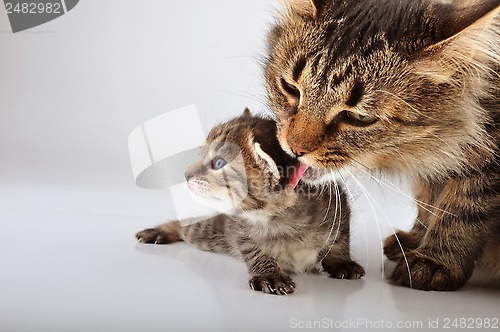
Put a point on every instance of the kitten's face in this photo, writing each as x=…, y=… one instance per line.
x=218, y=177
x=352, y=84
x=233, y=170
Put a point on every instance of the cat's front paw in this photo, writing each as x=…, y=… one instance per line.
x=344, y=270
x=155, y=235
x=399, y=243
x=272, y=284
x=423, y=272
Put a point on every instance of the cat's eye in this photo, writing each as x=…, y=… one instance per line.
x=218, y=163
x=291, y=90
x=360, y=119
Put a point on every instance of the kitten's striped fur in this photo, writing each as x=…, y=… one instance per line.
x=274, y=229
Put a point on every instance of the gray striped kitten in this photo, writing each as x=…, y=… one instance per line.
x=273, y=224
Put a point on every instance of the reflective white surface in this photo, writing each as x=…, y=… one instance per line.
x=71, y=92
x=70, y=263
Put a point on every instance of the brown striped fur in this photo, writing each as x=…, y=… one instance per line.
x=274, y=229
x=410, y=86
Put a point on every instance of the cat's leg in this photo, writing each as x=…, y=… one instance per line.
x=398, y=244
x=265, y=274
x=457, y=233
x=162, y=234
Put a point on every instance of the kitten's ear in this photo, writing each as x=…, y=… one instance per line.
x=309, y=8
x=246, y=113
x=263, y=156
x=447, y=21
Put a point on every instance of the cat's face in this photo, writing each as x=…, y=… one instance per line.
x=233, y=170
x=367, y=84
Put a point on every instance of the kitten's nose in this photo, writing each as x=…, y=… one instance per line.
x=298, y=150
x=188, y=175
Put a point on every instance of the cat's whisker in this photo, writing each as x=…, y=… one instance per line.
x=446, y=152
x=413, y=108
x=469, y=64
x=392, y=186
x=359, y=214
x=323, y=189
x=335, y=214
x=368, y=196
x=338, y=202
x=408, y=165
x=329, y=204
x=380, y=182
x=418, y=104
x=421, y=223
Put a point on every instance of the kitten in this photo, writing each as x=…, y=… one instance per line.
x=400, y=86
x=272, y=227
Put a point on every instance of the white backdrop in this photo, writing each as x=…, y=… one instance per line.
x=74, y=88
x=71, y=91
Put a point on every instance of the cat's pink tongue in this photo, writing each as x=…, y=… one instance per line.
x=297, y=174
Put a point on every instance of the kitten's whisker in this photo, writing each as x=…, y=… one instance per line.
x=247, y=95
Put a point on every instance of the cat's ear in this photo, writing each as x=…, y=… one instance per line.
x=309, y=8
x=264, y=157
x=446, y=21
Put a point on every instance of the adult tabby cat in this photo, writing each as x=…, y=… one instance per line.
x=272, y=227
x=408, y=86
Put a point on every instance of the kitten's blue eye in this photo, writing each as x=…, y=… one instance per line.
x=218, y=163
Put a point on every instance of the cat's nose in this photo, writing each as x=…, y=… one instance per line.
x=298, y=150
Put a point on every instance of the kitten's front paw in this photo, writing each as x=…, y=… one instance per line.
x=344, y=270
x=155, y=235
x=396, y=244
x=274, y=284
x=422, y=272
